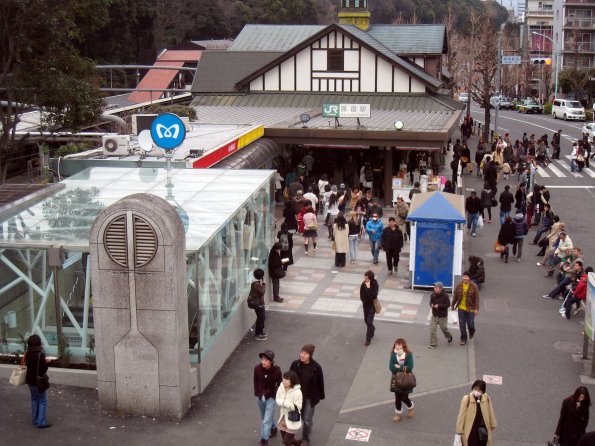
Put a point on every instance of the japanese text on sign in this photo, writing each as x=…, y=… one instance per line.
x=345, y=110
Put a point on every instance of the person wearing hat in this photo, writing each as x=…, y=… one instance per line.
x=439, y=302
x=466, y=300
x=311, y=379
x=267, y=378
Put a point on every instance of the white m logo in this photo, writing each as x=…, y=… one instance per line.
x=167, y=132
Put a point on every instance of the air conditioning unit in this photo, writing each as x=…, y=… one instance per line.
x=142, y=122
x=116, y=145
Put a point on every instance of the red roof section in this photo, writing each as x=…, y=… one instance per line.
x=161, y=79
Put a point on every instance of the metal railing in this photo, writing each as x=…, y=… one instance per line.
x=579, y=23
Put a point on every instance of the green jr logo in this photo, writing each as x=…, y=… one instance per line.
x=330, y=110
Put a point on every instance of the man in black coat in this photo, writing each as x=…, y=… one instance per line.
x=440, y=302
x=276, y=271
x=392, y=243
x=506, y=200
x=312, y=385
x=472, y=207
x=267, y=379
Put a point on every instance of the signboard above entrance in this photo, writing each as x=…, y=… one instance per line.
x=346, y=110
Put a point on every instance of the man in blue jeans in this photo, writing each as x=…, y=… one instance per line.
x=472, y=207
x=267, y=378
x=466, y=300
x=374, y=228
x=312, y=382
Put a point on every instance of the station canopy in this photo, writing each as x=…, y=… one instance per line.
x=205, y=199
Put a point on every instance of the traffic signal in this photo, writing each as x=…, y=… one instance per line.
x=541, y=60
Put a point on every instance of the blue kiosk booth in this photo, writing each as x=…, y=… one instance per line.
x=436, y=247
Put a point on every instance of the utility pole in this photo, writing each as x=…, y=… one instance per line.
x=498, y=77
x=526, y=56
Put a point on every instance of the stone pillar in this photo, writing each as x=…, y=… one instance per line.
x=140, y=308
x=388, y=176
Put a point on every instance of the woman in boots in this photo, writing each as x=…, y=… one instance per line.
x=289, y=398
x=400, y=358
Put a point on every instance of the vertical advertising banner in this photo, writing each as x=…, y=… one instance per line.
x=589, y=306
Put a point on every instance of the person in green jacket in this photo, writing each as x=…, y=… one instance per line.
x=400, y=358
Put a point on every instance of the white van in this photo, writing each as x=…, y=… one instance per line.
x=567, y=109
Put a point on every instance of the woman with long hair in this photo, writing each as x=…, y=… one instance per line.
x=341, y=233
x=574, y=417
x=401, y=358
x=37, y=367
x=310, y=228
x=332, y=211
x=476, y=420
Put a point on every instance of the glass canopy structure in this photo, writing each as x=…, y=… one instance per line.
x=229, y=223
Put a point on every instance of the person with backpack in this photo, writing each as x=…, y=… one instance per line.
x=256, y=302
x=286, y=241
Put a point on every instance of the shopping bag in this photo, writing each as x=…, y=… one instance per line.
x=18, y=377
x=457, y=441
x=480, y=222
x=453, y=317
x=499, y=248
x=377, y=306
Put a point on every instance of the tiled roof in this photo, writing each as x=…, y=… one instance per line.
x=410, y=39
x=272, y=37
x=380, y=48
x=219, y=71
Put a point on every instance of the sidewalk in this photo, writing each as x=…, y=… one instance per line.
x=322, y=307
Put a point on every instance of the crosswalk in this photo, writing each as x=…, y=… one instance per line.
x=561, y=169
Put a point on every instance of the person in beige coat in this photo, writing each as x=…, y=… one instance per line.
x=341, y=235
x=476, y=426
x=289, y=397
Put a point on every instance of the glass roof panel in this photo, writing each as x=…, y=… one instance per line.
x=208, y=196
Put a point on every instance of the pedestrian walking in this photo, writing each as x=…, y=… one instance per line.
x=341, y=234
x=374, y=228
x=289, y=398
x=574, y=417
x=472, y=207
x=267, y=378
x=402, y=210
x=486, y=202
x=311, y=378
x=466, y=300
x=521, y=229
x=506, y=200
x=401, y=359
x=355, y=228
x=477, y=270
x=476, y=421
x=276, y=272
x=368, y=292
x=37, y=367
x=310, y=229
x=392, y=243
x=257, y=290
x=506, y=237
x=439, y=302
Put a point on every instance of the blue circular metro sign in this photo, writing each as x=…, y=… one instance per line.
x=168, y=131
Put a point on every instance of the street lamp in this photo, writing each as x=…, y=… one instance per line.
x=556, y=55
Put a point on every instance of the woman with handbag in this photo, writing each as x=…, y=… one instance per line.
x=37, y=380
x=401, y=364
x=574, y=417
x=289, y=399
x=476, y=420
x=506, y=237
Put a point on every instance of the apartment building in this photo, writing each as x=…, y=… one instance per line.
x=574, y=30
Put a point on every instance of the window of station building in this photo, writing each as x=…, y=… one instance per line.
x=335, y=60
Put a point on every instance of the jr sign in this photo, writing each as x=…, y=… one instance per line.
x=345, y=110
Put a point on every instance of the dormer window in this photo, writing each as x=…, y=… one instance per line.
x=334, y=61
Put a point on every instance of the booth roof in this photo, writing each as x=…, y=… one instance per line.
x=437, y=206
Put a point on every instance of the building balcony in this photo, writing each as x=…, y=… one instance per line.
x=580, y=23
x=540, y=13
x=579, y=48
x=579, y=2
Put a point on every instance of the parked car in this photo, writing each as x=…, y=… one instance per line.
x=501, y=102
x=567, y=109
x=530, y=106
x=589, y=130
x=463, y=97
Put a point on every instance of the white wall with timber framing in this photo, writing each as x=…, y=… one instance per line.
x=363, y=70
